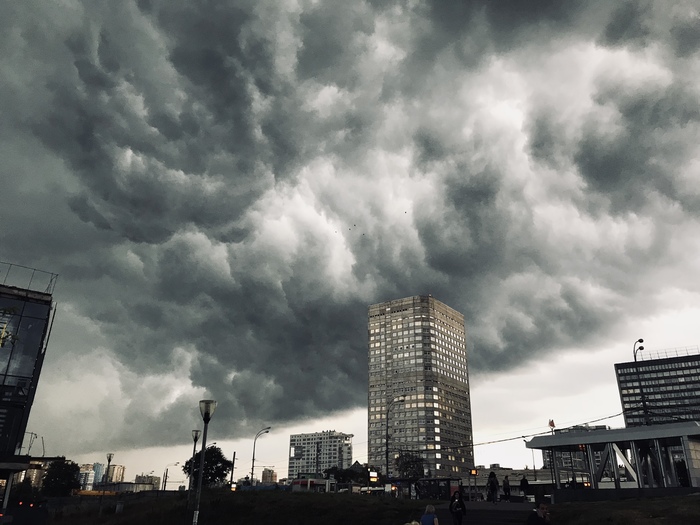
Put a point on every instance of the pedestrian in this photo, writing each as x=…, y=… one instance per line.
x=492, y=487
x=539, y=515
x=524, y=486
x=429, y=517
x=457, y=508
x=506, y=489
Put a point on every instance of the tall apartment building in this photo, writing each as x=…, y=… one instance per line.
x=268, y=476
x=419, y=386
x=319, y=451
x=116, y=473
x=661, y=387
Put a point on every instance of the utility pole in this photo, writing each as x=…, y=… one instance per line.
x=233, y=465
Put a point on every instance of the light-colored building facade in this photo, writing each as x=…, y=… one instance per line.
x=87, y=477
x=419, y=399
x=313, y=453
x=269, y=476
x=116, y=473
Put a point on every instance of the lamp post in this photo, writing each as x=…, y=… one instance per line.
x=105, y=476
x=165, y=474
x=399, y=399
x=635, y=350
x=206, y=407
x=195, y=438
x=534, y=470
x=252, y=465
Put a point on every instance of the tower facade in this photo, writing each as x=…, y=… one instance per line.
x=311, y=454
x=419, y=404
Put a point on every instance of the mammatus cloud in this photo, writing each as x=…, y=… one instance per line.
x=224, y=190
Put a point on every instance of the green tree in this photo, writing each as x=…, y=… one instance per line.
x=61, y=478
x=216, y=467
x=409, y=465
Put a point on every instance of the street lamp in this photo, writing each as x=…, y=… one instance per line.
x=195, y=438
x=399, y=399
x=206, y=407
x=165, y=474
x=252, y=465
x=635, y=350
x=534, y=470
x=105, y=476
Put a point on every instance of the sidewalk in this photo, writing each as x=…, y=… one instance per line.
x=486, y=513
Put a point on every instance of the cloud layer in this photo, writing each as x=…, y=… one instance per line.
x=223, y=189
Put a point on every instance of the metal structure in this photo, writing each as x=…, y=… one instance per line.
x=644, y=457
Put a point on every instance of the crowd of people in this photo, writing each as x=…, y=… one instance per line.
x=457, y=507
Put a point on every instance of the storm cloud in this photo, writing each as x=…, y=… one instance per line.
x=224, y=187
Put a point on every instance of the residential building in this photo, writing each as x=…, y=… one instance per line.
x=269, y=476
x=419, y=387
x=116, y=473
x=87, y=477
x=99, y=469
x=148, y=479
x=313, y=453
x=573, y=461
x=661, y=387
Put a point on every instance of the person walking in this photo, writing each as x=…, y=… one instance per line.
x=457, y=508
x=524, y=486
x=492, y=486
x=506, y=489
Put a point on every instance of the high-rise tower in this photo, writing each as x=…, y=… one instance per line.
x=419, y=387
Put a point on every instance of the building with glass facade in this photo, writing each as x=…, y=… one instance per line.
x=419, y=400
x=26, y=314
x=663, y=387
x=312, y=454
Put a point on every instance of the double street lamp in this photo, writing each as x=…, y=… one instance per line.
x=399, y=399
x=252, y=465
x=206, y=407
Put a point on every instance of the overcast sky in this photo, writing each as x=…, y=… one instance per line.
x=223, y=188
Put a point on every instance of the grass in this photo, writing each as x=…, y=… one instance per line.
x=283, y=508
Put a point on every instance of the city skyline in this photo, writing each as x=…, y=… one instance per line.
x=223, y=191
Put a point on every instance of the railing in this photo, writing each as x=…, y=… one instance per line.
x=28, y=278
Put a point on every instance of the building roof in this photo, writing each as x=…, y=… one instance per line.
x=563, y=439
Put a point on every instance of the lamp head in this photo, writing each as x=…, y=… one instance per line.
x=640, y=348
x=640, y=340
x=110, y=455
x=195, y=435
x=207, y=407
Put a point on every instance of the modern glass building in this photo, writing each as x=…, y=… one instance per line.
x=25, y=323
x=664, y=387
x=419, y=387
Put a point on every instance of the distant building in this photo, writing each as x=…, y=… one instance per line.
x=87, y=477
x=116, y=473
x=419, y=386
x=148, y=479
x=313, y=453
x=269, y=476
x=570, y=460
x=663, y=387
x=99, y=469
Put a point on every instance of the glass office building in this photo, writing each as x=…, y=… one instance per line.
x=25, y=322
x=419, y=387
x=663, y=387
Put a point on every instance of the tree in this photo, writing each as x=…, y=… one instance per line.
x=216, y=467
x=409, y=465
x=61, y=478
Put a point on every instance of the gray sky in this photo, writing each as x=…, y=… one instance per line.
x=224, y=188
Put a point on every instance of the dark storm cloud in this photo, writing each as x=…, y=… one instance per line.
x=224, y=188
